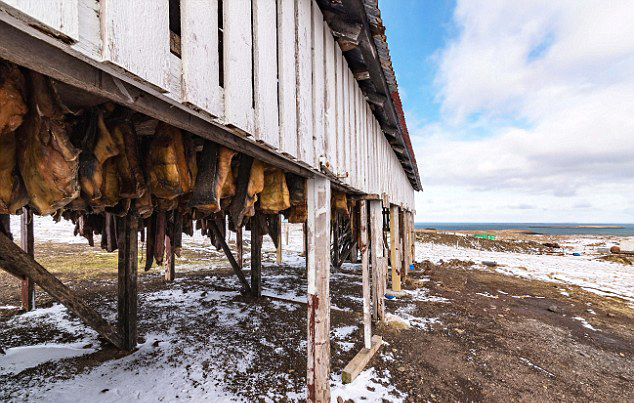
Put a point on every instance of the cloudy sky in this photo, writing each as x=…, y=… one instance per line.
x=520, y=111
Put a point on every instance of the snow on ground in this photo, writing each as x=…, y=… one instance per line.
x=171, y=363
x=603, y=278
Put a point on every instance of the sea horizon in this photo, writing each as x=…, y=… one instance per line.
x=547, y=228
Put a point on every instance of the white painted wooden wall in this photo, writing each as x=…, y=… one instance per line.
x=286, y=84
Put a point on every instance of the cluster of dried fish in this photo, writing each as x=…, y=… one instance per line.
x=95, y=164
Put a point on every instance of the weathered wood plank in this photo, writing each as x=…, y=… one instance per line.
x=318, y=275
x=265, y=72
x=340, y=112
x=287, y=77
x=136, y=38
x=304, y=83
x=27, y=242
x=363, y=357
x=16, y=260
x=238, y=64
x=318, y=84
x=127, y=237
x=61, y=17
x=200, y=56
x=330, y=85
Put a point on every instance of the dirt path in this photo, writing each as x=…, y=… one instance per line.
x=502, y=339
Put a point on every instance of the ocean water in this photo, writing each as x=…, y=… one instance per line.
x=538, y=228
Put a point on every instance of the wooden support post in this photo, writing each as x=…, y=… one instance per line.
x=318, y=275
x=378, y=260
x=395, y=259
x=5, y=224
x=256, y=254
x=365, y=273
x=239, y=245
x=15, y=260
x=279, y=242
x=234, y=265
x=127, y=238
x=27, y=242
x=354, y=230
x=405, y=249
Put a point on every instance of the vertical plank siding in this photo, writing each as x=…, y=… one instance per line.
x=304, y=66
x=238, y=64
x=265, y=72
x=140, y=46
x=200, y=56
x=319, y=84
x=286, y=76
x=278, y=76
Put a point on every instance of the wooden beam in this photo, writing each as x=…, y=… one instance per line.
x=358, y=363
x=256, y=254
x=15, y=259
x=27, y=242
x=378, y=261
x=395, y=259
x=318, y=275
x=365, y=273
x=234, y=265
x=127, y=238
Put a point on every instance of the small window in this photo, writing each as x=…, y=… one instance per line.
x=175, y=27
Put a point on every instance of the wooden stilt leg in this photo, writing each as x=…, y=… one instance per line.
x=378, y=260
x=354, y=226
x=279, y=243
x=256, y=254
x=404, y=247
x=128, y=262
x=395, y=259
x=239, y=250
x=234, y=265
x=318, y=273
x=365, y=273
x=27, y=243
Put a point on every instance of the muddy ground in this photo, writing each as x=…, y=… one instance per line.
x=475, y=336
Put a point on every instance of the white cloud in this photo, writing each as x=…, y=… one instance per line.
x=538, y=102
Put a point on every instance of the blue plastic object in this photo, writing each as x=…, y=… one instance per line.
x=411, y=266
x=390, y=297
x=576, y=254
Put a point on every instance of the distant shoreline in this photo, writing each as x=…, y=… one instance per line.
x=579, y=226
x=543, y=228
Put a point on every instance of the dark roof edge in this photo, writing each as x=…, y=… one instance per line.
x=377, y=29
x=359, y=31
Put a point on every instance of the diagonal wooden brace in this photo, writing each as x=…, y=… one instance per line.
x=14, y=260
x=232, y=260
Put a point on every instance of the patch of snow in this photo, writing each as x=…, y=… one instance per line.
x=585, y=323
x=17, y=359
x=600, y=277
x=382, y=389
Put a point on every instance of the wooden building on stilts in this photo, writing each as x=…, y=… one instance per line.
x=158, y=118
